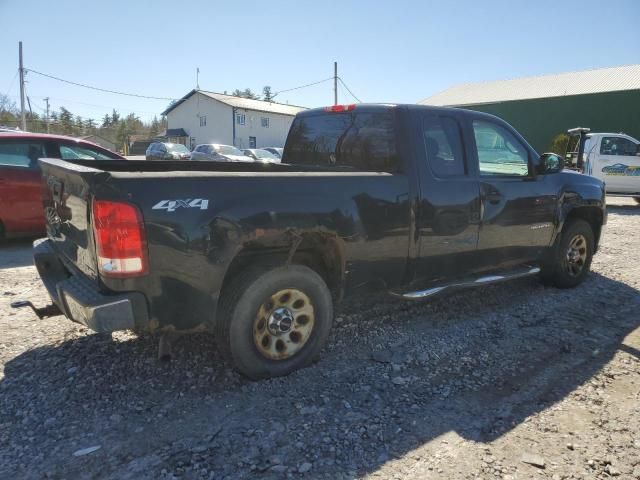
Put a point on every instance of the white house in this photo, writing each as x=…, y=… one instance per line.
x=208, y=117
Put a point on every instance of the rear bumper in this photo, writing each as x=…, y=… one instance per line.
x=80, y=299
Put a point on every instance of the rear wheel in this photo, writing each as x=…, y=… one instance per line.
x=571, y=256
x=273, y=321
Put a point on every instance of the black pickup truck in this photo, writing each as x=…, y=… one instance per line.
x=408, y=199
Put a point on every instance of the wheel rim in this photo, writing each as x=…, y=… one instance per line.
x=283, y=324
x=576, y=255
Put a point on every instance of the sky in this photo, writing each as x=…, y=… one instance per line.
x=391, y=51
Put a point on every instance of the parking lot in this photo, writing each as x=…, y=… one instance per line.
x=510, y=381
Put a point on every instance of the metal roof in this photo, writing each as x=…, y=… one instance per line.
x=559, y=85
x=244, y=103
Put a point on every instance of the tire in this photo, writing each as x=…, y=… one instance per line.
x=273, y=321
x=570, y=256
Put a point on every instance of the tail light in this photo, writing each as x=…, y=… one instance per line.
x=340, y=108
x=121, y=242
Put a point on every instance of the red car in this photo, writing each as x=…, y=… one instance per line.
x=21, y=212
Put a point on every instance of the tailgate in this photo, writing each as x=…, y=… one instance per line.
x=68, y=190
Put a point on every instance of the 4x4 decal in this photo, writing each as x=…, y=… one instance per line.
x=172, y=205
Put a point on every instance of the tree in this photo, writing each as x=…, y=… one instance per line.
x=106, y=121
x=249, y=94
x=154, y=128
x=267, y=96
x=115, y=117
x=79, y=125
x=66, y=121
x=8, y=111
x=559, y=143
x=7, y=105
x=122, y=134
x=246, y=93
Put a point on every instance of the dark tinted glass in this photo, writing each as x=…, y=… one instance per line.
x=354, y=141
x=443, y=146
x=617, y=146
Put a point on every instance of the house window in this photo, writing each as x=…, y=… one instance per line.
x=240, y=118
x=264, y=121
x=252, y=142
x=203, y=121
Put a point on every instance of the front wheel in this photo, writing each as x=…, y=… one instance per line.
x=274, y=321
x=571, y=256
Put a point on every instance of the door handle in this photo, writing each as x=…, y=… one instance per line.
x=493, y=197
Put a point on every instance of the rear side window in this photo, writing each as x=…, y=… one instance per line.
x=364, y=141
x=443, y=146
x=21, y=154
x=77, y=152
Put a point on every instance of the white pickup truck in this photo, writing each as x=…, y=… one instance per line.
x=613, y=158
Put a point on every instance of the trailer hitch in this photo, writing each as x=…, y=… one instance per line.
x=43, y=312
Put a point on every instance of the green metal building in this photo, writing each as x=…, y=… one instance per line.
x=605, y=100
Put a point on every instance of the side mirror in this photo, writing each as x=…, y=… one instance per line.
x=549, y=163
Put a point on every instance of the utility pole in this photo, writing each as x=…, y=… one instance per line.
x=46, y=100
x=21, y=67
x=335, y=83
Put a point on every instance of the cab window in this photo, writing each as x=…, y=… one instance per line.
x=618, y=146
x=500, y=153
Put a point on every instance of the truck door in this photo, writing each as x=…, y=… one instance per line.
x=618, y=164
x=448, y=215
x=518, y=207
x=21, y=208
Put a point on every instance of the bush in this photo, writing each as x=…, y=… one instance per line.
x=559, y=144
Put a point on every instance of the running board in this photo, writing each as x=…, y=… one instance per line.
x=486, y=280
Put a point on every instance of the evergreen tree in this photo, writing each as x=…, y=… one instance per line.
x=267, y=95
x=65, y=121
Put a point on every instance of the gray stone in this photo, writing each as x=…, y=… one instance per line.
x=533, y=459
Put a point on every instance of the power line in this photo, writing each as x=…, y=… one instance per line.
x=102, y=107
x=303, y=86
x=11, y=84
x=348, y=90
x=97, y=88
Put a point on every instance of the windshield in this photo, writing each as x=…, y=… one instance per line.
x=177, y=148
x=265, y=154
x=228, y=150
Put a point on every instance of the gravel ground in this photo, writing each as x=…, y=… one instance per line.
x=512, y=381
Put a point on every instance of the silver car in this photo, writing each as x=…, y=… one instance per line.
x=261, y=155
x=275, y=150
x=219, y=153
